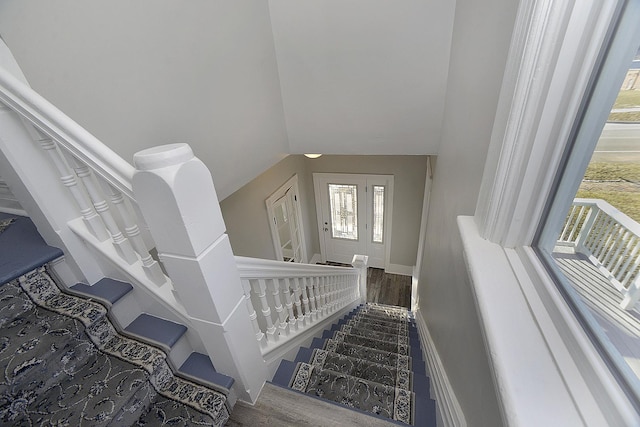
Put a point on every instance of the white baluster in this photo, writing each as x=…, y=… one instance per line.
x=633, y=256
x=616, y=250
x=285, y=284
x=120, y=243
x=579, y=220
x=305, y=300
x=260, y=336
x=149, y=265
x=320, y=301
x=628, y=248
x=324, y=287
x=89, y=216
x=334, y=292
x=283, y=325
x=297, y=293
x=312, y=298
x=272, y=329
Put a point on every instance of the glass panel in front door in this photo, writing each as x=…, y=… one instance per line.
x=378, y=214
x=343, y=200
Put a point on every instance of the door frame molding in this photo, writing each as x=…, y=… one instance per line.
x=291, y=183
x=388, y=223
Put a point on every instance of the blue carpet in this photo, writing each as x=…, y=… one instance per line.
x=22, y=249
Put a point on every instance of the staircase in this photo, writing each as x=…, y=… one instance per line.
x=370, y=361
x=63, y=361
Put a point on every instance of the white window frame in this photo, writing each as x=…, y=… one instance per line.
x=546, y=369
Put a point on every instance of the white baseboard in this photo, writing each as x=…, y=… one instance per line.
x=448, y=407
x=404, y=270
x=316, y=258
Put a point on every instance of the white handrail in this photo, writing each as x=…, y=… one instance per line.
x=254, y=267
x=66, y=132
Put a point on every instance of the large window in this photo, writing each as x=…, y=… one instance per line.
x=591, y=237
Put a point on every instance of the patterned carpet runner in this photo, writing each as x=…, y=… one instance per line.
x=366, y=362
x=63, y=363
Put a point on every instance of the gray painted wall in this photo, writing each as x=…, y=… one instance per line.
x=481, y=36
x=151, y=72
x=245, y=212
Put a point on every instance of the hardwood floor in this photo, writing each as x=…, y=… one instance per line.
x=277, y=406
x=385, y=288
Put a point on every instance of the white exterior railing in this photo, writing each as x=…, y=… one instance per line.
x=284, y=299
x=610, y=239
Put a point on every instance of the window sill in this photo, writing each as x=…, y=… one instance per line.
x=545, y=370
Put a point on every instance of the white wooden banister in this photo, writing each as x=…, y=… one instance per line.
x=311, y=294
x=72, y=137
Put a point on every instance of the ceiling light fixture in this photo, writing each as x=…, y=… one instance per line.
x=313, y=156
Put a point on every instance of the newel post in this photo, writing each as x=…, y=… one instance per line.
x=177, y=198
x=359, y=262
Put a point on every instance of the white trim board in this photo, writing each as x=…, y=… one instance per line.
x=448, y=408
x=404, y=270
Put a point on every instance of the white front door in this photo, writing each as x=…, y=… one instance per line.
x=354, y=216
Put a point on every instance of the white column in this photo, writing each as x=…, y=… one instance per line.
x=177, y=198
x=360, y=262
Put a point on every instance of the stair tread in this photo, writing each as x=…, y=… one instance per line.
x=365, y=369
x=33, y=253
x=382, y=327
x=369, y=353
x=374, y=334
x=386, y=401
x=157, y=330
x=369, y=342
x=198, y=366
x=106, y=289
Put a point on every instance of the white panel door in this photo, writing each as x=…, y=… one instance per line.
x=354, y=216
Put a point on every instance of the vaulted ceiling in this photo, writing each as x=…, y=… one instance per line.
x=245, y=83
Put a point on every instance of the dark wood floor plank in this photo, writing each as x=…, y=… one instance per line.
x=386, y=288
x=277, y=406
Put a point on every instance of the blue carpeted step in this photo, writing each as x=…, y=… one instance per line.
x=284, y=373
x=378, y=399
x=156, y=330
x=421, y=382
x=198, y=367
x=372, y=333
x=363, y=352
x=33, y=252
x=107, y=290
x=355, y=367
x=416, y=364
